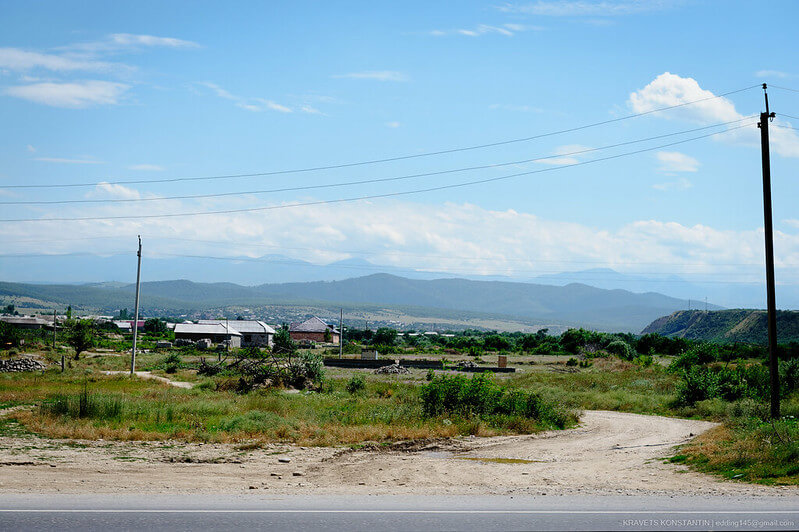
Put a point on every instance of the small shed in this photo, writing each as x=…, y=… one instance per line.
x=216, y=332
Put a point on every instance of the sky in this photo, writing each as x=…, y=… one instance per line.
x=98, y=94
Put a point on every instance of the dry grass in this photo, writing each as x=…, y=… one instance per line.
x=747, y=450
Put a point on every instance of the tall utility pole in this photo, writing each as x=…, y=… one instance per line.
x=55, y=323
x=771, y=301
x=136, y=317
x=341, y=333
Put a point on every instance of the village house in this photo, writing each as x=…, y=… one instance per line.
x=314, y=330
x=254, y=333
x=216, y=332
x=27, y=322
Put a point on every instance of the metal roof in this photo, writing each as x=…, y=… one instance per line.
x=25, y=320
x=205, y=328
x=244, y=326
x=312, y=325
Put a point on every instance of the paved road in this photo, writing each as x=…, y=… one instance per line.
x=248, y=512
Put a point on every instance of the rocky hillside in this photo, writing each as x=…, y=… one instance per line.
x=736, y=325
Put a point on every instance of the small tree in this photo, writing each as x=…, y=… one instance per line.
x=283, y=344
x=80, y=336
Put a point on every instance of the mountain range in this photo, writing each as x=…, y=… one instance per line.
x=574, y=304
x=87, y=268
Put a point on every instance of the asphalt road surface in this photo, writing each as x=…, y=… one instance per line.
x=377, y=513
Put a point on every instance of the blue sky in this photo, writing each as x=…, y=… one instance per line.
x=98, y=92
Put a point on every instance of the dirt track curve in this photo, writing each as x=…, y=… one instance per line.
x=609, y=453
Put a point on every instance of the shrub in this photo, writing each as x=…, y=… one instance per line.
x=572, y=362
x=172, y=362
x=789, y=375
x=356, y=384
x=430, y=375
x=480, y=396
x=621, y=349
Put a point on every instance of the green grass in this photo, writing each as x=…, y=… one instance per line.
x=76, y=405
x=609, y=384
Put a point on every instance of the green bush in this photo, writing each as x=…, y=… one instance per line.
x=621, y=349
x=480, y=396
x=700, y=383
x=172, y=362
x=356, y=384
x=789, y=375
x=572, y=362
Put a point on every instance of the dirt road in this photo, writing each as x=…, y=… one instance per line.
x=609, y=453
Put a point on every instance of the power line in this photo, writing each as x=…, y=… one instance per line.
x=387, y=159
x=772, y=86
x=373, y=196
x=376, y=180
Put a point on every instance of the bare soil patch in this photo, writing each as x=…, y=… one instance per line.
x=609, y=453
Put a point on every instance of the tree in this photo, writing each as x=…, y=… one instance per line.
x=10, y=309
x=69, y=312
x=283, y=342
x=123, y=314
x=155, y=326
x=384, y=336
x=9, y=335
x=80, y=336
x=328, y=336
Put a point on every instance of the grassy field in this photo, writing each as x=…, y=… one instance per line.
x=85, y=403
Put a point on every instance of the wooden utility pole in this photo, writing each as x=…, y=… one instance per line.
x=341, y=333
x=771, y=302
x=136, y=317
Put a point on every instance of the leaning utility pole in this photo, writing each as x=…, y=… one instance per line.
x=769, y=234
x=341, y=333
x=136, y=317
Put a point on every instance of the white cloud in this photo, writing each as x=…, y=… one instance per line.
x=508, y=30
x=125, y=42
x=128, y=39
x=772, y=74
x=21, y=60
x=255, y=105
x=30, y=148
x=111, y=191
x=792, y=222
x=674, y=161
x=393, y=124
x=146, y=167
x=376, y=75
x=569, y=153
x=669, y=89
x=64, y=160
x=309, y=109
x=450, y=238
x=77, y=94
x=583, y=8
x=680, y=184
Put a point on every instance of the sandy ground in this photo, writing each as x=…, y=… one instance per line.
x=148, y=375
x=609, y=453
